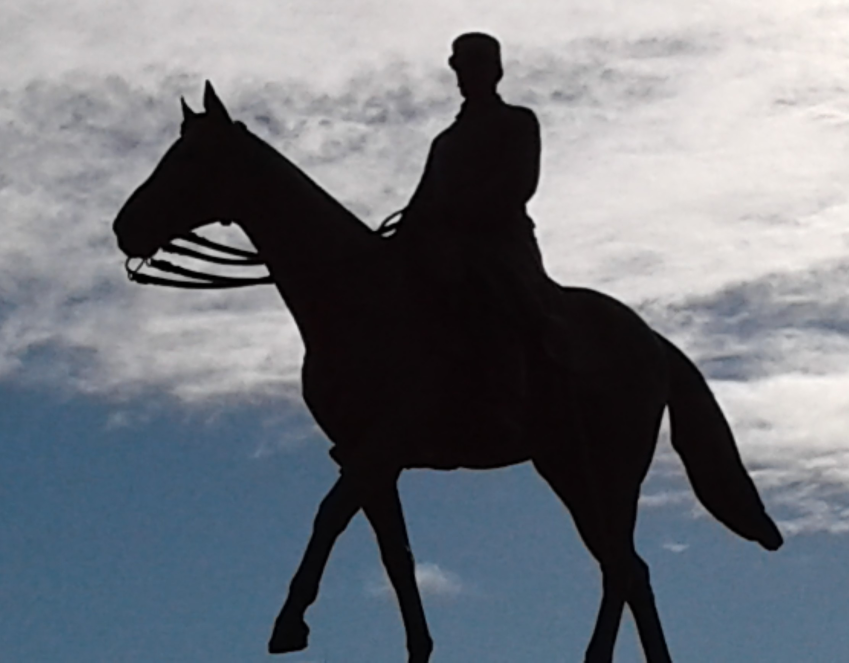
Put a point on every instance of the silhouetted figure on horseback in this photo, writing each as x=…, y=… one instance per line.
x=467, y=226
x=381, y=378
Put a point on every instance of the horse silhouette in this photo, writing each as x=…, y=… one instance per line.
x=387, y=385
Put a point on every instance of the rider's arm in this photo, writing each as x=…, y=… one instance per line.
x=518, y=179
x=513, y=178
x=424, y=193
x=421, y=201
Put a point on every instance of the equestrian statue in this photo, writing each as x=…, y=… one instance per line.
x=439, y=342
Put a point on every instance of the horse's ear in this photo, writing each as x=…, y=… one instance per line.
x=212, y=104
x=188, y=113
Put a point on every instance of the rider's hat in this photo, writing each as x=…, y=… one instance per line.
x=475, y=49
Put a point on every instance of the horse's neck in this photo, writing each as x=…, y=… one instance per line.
x=309, y=241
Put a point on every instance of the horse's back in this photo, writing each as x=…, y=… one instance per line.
x=608, y=342
x=603, y=403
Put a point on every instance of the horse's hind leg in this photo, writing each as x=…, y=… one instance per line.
x=625, y=575
x=607, y=538
x=384, y=512
x=606, y=523
x=641, y=602
x=612, y=547
x=336, y=510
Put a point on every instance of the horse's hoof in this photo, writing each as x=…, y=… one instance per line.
x=288, y=636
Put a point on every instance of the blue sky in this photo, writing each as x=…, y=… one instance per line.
x=158, y=472
x=173, y=539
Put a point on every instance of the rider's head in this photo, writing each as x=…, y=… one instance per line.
x=476, y=58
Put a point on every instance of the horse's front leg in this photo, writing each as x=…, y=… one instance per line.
x=336, y=510
x=383, y=510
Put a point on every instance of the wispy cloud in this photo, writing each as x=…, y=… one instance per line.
x=694, y=166
x=298, y=424
x=431, y=579
x=676, y=548
x=794, y=321
x=68, y=316
x=666, y=498
x=122, y=419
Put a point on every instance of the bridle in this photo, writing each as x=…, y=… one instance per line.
x=232, y=257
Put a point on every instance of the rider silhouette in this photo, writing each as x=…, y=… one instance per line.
x=467, y=217
x=472, y=244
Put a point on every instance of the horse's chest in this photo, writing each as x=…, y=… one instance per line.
x=432, y=413
x=349, y=394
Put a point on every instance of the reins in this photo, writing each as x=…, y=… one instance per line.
x=232, y=257
x=199, y=280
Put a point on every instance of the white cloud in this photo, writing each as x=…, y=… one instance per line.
x=120, y=419
x=666, y=498
x=69, y=315
x=694, y=166
x=676, y=548
x=793, y=432
x=273, y=42
x=432, y=580
x=299, y=427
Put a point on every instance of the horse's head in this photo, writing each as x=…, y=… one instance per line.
x=197, y=182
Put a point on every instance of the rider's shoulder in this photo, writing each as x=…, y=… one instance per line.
x=522, y=112
x=520, y=115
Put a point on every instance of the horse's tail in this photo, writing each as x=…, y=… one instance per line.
x=703, y=439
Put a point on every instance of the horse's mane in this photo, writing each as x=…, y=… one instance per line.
x=303, y=185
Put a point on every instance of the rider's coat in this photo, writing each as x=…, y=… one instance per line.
x=482, y=170
x=468, y=214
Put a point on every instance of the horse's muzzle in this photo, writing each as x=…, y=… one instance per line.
x=134, y=239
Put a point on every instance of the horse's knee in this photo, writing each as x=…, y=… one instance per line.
x=332, y=517
x=396, y=550
x=325, y=517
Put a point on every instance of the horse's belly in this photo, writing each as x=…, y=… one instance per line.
x=417, y=429
x=490, y=457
